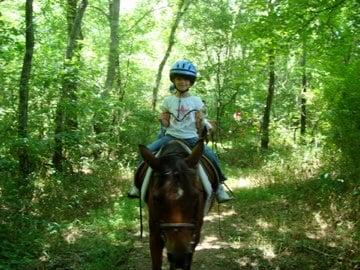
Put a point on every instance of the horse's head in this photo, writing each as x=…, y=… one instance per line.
x=176, y=200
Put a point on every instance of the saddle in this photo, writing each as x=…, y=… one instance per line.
x=205, y=162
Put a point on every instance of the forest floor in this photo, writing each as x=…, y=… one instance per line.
x=312, y=224
x=277, y=227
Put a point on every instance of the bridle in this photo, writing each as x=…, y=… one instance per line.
x=163, y=226
x=175, y=227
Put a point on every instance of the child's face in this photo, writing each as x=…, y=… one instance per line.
x=182, y=84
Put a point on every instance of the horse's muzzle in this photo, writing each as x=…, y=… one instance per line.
x=180, y=260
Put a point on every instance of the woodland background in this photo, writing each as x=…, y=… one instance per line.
x=80, y=85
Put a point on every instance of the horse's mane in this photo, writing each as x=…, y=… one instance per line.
x=174, y=148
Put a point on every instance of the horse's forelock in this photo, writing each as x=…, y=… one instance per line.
x=174, y=172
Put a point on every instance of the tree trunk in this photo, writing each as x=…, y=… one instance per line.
x=64, y=119
x=75, y=30
x=69, y=83
x=113, y=71
x=71, y=8
x=303, y=96
x=113, y=64
x=219, y=87
x=183, y=6
x=24, y=167
x=266, y=117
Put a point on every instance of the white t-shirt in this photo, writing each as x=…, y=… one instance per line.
x=182, y=115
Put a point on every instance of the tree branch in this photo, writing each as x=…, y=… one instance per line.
x=317, y=12
x=143, y=17
x=101, y=11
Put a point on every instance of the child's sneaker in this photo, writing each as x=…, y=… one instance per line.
x=222, y=195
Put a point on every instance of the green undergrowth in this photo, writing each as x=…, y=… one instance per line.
x=309, y=225
x=75, y=221
x=293, y=211
x=102, y=240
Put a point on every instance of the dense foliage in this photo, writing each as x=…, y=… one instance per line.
x=314, y=48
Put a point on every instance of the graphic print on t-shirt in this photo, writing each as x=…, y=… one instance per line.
x=182, y=119
x=181, y=111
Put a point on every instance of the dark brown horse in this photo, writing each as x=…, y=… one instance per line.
x=176, y=201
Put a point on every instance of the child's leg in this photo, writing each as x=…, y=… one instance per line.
x=221, y=194
x=161, y=132
x=215, y=161
x=156, y=145
x=210, y=155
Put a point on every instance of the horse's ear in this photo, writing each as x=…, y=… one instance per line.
x=149, y=157
x=196, y=154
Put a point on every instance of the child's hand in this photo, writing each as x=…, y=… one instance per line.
x=165, y=119
x=199, y=121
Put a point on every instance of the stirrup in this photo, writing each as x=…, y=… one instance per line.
x=134, y=192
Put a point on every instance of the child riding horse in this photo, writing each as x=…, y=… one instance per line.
x=183, y=118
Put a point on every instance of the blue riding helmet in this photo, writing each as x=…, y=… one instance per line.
x=183, y=68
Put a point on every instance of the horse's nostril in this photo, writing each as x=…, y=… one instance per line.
x=180, y=260
x=175, y=257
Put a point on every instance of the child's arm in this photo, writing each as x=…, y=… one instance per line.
x=165, y=119
x=208, y=124
x=165, y=114
x=200, y=121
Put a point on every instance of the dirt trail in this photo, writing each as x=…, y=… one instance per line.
x=218, y=248
x=269, y=228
